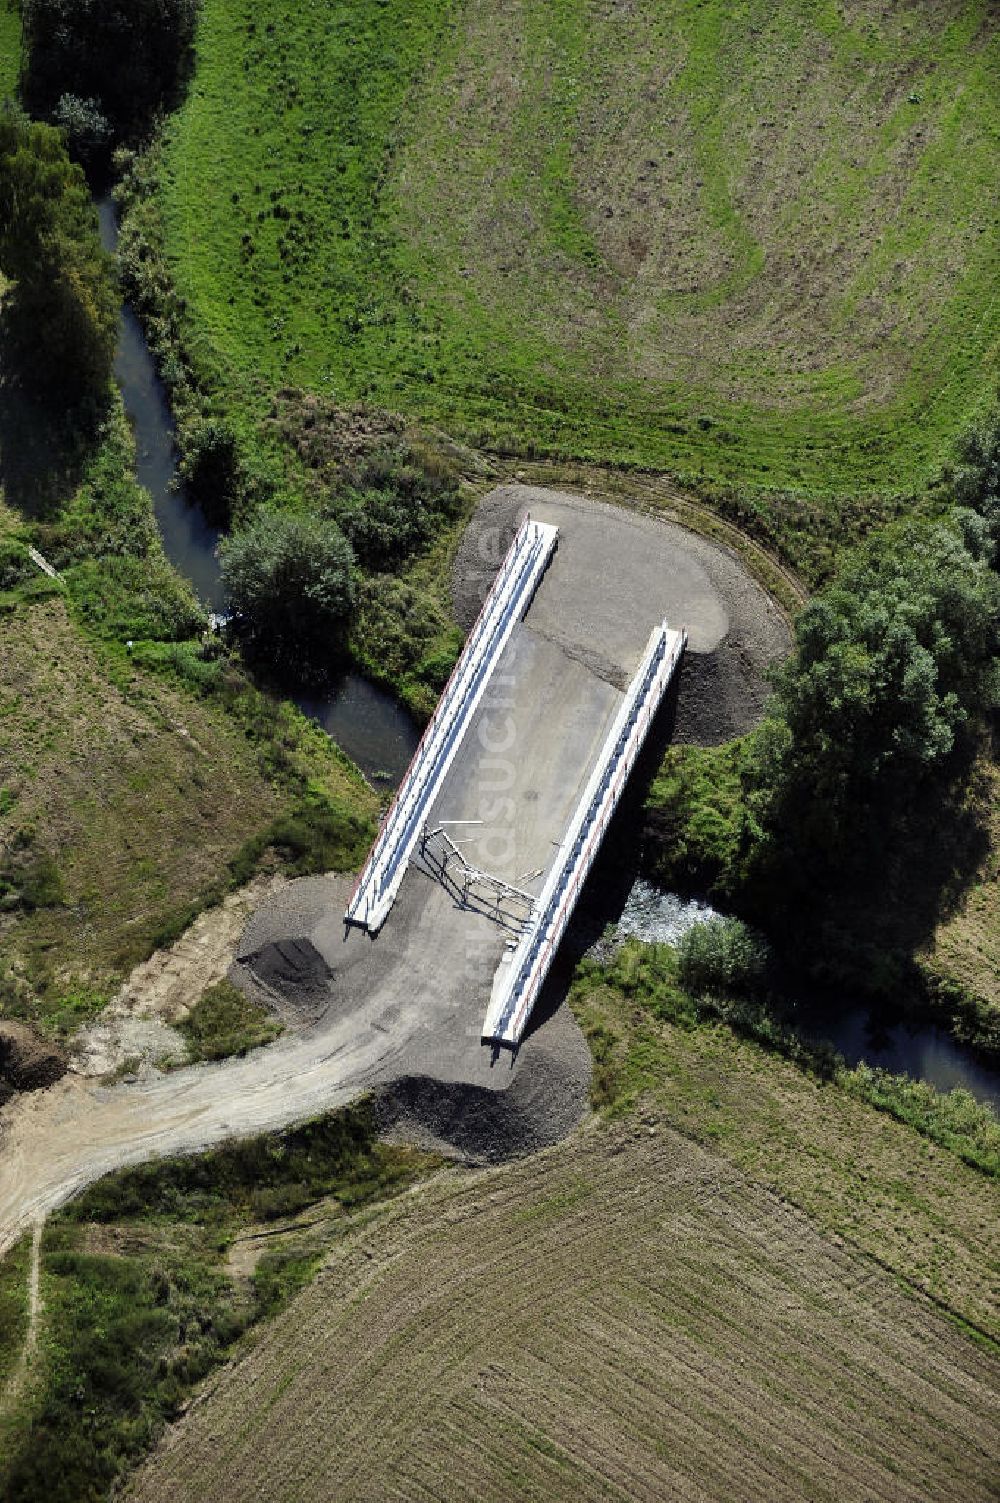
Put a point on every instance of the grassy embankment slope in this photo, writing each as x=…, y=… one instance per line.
x=752, y=246
x=135, y=785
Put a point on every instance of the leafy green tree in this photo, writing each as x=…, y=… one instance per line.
x=889, y=663
x=60, y=313
x=290, y=584
x=87, y=129
x=870, y=736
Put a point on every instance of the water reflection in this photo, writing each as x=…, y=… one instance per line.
x=924, y=1052
x=855, y=1031
x=372, y=728
x=188, y=540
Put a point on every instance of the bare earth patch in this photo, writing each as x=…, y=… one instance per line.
x=135, y=1026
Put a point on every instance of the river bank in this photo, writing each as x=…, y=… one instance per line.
x=377, y=733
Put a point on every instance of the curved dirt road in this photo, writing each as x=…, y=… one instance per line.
x=405, y=1005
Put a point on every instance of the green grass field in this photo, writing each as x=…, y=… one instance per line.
x=10, y=47
x=748, y=242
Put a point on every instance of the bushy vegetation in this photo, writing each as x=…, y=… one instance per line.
x=262, y=1178
x=59, y=318
x=210, y=468
x=139, y=1305
x=722, y=957
x=403, y=635
x=974, y=482
x=104, y=68
x=894, y=664
x=955, y=1119
x=696, y=833
x=391, y=504
x=87, y=130
x=289, y=580
x=224, y=1022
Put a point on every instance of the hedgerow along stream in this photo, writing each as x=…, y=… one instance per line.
x=371, y=727
x=377, y=733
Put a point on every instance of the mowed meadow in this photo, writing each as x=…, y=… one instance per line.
x=750, y=243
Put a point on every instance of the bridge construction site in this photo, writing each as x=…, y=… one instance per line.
x=477, y=869
x=530, y=781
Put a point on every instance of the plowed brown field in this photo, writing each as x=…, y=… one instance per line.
x=626, y=1317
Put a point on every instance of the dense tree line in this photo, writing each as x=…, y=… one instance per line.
x=59, y=312
x=894, y=666
x=103, y=68
x=859, y=823
x=845, y=822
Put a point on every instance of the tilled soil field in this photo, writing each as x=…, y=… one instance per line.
x=624, y=1316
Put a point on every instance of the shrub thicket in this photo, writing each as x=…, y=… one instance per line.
x=975, y=484
x=289, y=579
x=60, y=320
x=393, y=502
x=721, y=957
x=210, y=468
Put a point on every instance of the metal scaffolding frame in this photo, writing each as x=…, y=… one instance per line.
x=473, y=878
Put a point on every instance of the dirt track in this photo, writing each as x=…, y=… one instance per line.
x=406, y=1009
x=625, y=1317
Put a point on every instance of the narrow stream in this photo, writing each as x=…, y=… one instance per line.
x=378, y=734
x=853, y=1028
x=373, y=729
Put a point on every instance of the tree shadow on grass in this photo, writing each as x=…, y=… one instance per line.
x=44, y=446
x=871, y=932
